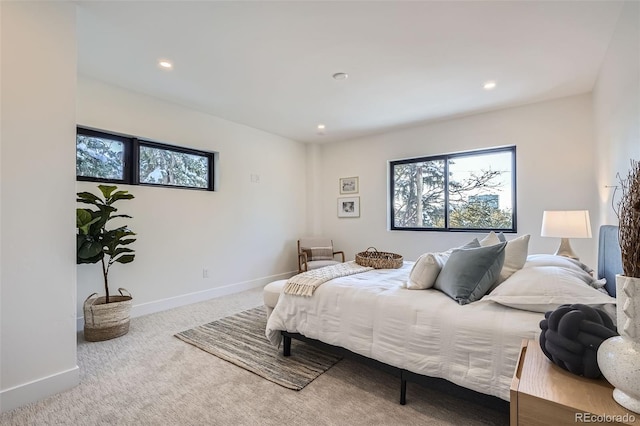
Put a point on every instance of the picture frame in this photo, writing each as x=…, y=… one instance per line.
x=348, y=206
x=349, y=185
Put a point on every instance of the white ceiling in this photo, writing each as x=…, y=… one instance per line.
x=268, y=65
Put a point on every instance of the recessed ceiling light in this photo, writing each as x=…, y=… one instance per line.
x=163, y=63
x=340, y=76
x=321, y=128
x=489, y=85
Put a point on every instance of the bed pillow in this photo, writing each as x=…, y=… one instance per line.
x=426, y=269
x=491, y=239
x=471, y=244
x=544, y=288
x=566, y=262
x=555, y=260
x=469, y=273
x=515, y=256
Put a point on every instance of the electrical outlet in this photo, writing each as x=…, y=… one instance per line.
x=205, y=273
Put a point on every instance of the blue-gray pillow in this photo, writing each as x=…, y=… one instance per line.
x=471, y=244
x=470, y=273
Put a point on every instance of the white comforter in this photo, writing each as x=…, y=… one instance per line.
x=423, y=331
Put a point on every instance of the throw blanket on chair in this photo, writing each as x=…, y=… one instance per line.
x=306, y=283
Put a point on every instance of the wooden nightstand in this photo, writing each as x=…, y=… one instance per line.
x=544, y=394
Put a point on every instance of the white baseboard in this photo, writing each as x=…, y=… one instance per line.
x=199, y=296
x=36, y=390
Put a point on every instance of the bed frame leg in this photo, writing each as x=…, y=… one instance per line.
x=403, y=390
x=286, y=347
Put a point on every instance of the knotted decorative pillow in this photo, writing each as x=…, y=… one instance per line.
x=571, y=336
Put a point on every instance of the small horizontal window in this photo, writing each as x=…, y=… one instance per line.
x=107, y=157
x=468, y=191
x=168, y=167
x=101, y=156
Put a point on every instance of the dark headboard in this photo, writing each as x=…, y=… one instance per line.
x=609, y=257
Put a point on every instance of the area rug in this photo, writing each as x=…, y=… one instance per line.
x=240, y=339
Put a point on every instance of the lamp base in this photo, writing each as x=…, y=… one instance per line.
x=565, y=250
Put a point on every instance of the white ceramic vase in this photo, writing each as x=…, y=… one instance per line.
x=619, y=357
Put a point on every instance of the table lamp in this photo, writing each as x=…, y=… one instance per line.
x=566, y=224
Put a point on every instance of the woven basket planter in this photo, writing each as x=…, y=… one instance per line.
x=104, y=321
x=379, y=259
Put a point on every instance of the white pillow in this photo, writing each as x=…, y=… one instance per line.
x=544, y=288
x=490, y=240
x=515, y=256
x=555, y=260
x=426, y=269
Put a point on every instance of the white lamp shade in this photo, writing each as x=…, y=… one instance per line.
x=566, y=224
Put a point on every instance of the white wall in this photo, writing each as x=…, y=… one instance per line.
x=38, y=280
x=555, y=163
x=314, y=201
x=616, y=103
x=244, y=234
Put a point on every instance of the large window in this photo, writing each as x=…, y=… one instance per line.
x=107, y=157
x=468, y=191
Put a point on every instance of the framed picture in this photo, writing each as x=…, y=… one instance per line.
x=349, y=185
x=349, y=207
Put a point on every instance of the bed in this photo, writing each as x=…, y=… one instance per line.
x=426, y=333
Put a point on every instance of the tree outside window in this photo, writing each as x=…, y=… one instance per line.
x=107, y=157
x=99, y=157
x=168, y=167
x=467, y=191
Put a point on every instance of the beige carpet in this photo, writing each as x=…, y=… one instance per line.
x=149, y=377
x=240, y=339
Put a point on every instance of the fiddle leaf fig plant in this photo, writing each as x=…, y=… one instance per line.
x=96, y=243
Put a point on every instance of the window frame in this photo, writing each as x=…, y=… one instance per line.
x=182, y=150
x=446, y=158
x=126, y=159
x=131, y=159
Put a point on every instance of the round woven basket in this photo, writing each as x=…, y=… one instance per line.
x=104, y=321
x=379, y=259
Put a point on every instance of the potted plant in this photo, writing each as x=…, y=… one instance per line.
x=620, y=356
x=105, y=317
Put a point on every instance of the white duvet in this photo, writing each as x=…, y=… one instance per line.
x=424, y=331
